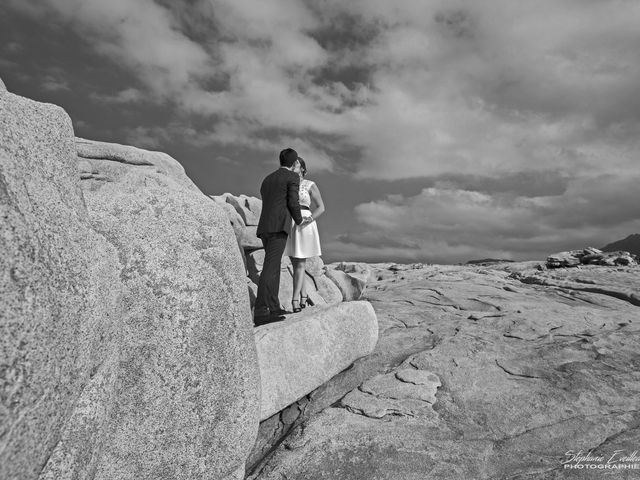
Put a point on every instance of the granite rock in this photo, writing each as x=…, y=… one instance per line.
x=188, y=365
x=520, y=371
x=351, y=286
x=590, y=256
x=245, y=232
x=234, y=218
x=249, y=240
x=320, y=289
x=127, y=343
x=59, y=290
x=248, y=208
x=321, y=342
x=328, y=290
x=255, y=260
x=129, y=155
x=315, y=266
x=357, y=269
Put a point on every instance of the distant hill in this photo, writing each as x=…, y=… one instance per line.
x=630, y=244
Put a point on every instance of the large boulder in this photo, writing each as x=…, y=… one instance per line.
x=248, y=208
x=357, y=269
x=248, y=239
x=241, y=212
x=234, y=218
x=59, y=291
x=320, y=342
x=590, y=256
x=255, y=260
x=186, y=278
x=127, y=347
x=351, y=285
x=320, y=289
x=328, y=290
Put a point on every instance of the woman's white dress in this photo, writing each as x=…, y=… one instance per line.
x=304, y=242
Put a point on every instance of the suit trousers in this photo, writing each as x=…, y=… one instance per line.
x=269, y=283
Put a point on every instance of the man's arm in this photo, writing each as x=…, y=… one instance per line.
x=293, y=198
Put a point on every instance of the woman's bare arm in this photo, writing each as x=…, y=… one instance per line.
x=316, y=198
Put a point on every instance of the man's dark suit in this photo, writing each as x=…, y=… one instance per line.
x=280, y=203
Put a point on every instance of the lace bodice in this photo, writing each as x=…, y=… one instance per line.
x=305, y=198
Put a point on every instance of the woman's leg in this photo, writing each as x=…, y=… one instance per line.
x=303, y=282
x=298, y=276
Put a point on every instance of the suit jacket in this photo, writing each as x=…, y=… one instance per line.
x=280, y=202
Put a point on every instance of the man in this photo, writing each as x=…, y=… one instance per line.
x=280, y=203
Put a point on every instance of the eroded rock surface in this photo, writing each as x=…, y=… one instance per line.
x=479, y=372
x=126, y=339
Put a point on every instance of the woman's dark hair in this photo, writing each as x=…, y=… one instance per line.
x=303, y=166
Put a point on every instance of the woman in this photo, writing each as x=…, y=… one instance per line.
x=303, y=241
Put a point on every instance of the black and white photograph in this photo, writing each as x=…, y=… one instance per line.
x=319, y=240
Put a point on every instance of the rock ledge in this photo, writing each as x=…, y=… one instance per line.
x=302, y=352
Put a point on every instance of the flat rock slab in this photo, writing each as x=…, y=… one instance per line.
x=302, y=352
x=478, y=374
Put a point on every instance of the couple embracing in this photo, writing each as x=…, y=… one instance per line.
x=287, y=226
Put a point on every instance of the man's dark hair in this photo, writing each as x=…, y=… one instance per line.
x=288, y=157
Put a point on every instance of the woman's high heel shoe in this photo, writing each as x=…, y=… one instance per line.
x=293, y=305
x=305, y=300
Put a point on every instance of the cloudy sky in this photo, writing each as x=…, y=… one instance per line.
x=437, y=130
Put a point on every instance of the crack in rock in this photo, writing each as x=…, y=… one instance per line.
x=476, y=317
x=515, y=374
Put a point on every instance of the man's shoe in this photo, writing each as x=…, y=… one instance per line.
x=265, y=319
x=279, y=312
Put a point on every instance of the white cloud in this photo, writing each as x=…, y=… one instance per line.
x=415, y=88
x=251, y=73
x=447, y=224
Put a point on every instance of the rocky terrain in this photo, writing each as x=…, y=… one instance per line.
x=127, y=340
x=128, y=349
x=480, y=372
